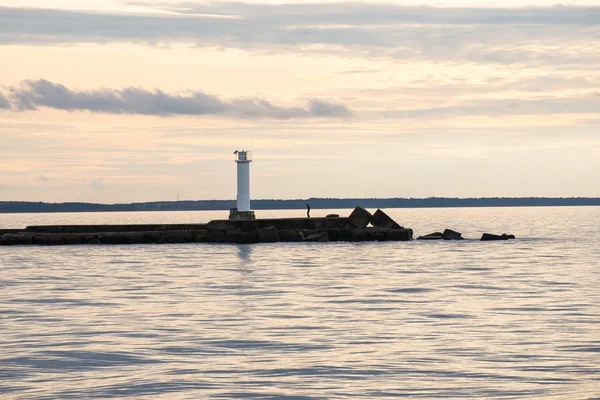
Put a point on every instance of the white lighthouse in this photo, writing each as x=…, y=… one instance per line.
x=243, y=211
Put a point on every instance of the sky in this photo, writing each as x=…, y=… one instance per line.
x=114, y=101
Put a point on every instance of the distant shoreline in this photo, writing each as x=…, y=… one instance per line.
x=315, y=203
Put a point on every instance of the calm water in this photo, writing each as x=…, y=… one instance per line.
x=517, y=319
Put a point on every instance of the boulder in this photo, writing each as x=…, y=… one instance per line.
x=332, y=216
x=360, y=217
x=432, y=236
x=317, y=237
x=449, y=234
x=268, y=235
x=382, y=220
x=486, y=237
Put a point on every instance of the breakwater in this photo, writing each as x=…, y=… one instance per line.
x=359, y=226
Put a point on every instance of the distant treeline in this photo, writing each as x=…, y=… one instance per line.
x=315, y=203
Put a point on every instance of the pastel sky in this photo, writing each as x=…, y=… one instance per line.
x=125, y=101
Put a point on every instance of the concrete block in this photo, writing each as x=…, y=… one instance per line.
x=214, y=235
x=368, y=235
x=177, y=237
x=171, y=238
x=486, y=237
x=152, y=237
x=333, y=234
x=432, y=236
x=229, y=239
x=49, y=239
x=360, y=217
x=24, y=238
x=317, y=237
x=399, y=235
x=234, y=214
x=74, y=239
x=268, y=235
x=345, y=235
x=8, y=239
x=249, y=237
x=290, y=235
x=449, y=234
x=89, y=238
x=382, y=220
x=121, y=237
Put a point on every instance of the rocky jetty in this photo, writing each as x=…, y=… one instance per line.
x=360, y=226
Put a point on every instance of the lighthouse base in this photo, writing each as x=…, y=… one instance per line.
x=234, y=214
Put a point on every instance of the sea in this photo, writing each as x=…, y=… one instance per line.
x=430, y=320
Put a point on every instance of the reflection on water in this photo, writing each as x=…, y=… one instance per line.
x=244, y=253
x=311, y=321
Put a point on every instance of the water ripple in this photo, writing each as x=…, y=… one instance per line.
x=293, y=321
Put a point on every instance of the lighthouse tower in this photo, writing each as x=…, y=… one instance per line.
x=243, y=211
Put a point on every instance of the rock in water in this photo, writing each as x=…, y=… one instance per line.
x=449, y=234
x=360, y=217
x=382, y=220
x=490, y=237
x=432, y=236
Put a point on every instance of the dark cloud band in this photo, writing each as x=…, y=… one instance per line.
x=32, y=94
x=248, y=26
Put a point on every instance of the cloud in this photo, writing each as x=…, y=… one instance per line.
x=585, y=104
x=4, y=104
x=487, y=35
x=362, y=13
x=325, y=109
x=32, y=94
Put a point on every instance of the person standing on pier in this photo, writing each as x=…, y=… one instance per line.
x=307, y=210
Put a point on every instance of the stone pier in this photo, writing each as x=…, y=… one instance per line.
x=354, y=228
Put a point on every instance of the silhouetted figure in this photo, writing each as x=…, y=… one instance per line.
x=307, y=210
